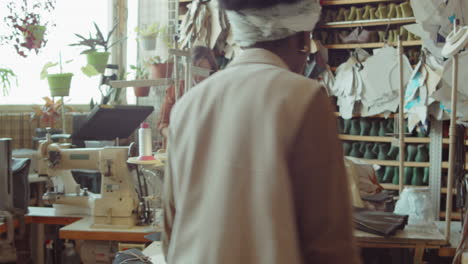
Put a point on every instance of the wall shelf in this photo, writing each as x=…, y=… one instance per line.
x=367, y=23
x=372, y=45
x=374, y=116
x=352, y=2
x=394, y=163
x=455, y=215
x=395, y=187
x=417, y=140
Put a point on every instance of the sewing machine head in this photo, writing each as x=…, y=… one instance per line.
x=115, y=205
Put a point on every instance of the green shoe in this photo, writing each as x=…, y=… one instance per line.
x=393, y=152
x=341, y=15
x=422, y=154
x=365, y=126
x=426, y=176
x=382, y=123
x=418, y=176
x=383, y=150
x=403, y=33
x=366, y=15
x=408, y=176
x=380, y=174
x=330, y=16
x=324, y=37
x=382, y=11
x=392, y=10
x=373, y=13
x=411, y=152
x=347, y=12
x=391, y=37
x=369, y=154
x=407, y=10
x=373, y=37
x=399, y=12
x=359, y=13
x=352, y=14
x=355, y=128
x=388, y=174
x=396, y=176
x=346, y=126
x=347, y=148
x=355, y=152
x=374, y=129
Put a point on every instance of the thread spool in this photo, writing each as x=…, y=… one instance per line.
x=145, y=142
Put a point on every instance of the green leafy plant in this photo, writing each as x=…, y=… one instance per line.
x=6, y=78
x=97, y=42
x=153, y=60
x=139, y=72
x=150, y=30
x=50, y=112
x=48, y=65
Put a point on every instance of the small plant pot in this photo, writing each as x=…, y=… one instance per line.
x=98, y=60
x=36, y=33
x=148, y=42
x=141, y=91
x=161, y=70
x=59, y=84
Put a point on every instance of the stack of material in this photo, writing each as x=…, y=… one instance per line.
x=379, y=223
x=374, y=81
x=196, y=26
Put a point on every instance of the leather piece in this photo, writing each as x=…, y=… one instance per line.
x=379, y=223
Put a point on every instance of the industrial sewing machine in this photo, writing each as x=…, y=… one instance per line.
x=120, y=203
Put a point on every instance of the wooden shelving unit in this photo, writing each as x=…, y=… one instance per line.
x=352, y=2
x=374, y=116
x=394, y=187
x=455, y=215
x=416, y=140
x=394, y=163
x=372, y=45
x=368, y=23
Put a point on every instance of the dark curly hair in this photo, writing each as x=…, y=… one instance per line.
x=236, y=5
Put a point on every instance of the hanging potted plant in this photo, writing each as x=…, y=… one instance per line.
x=6, y=77
x=59, y=83
x=147, y=35
x=140, y=74
x=97, y=52
x=27, y=27
x=159, y=69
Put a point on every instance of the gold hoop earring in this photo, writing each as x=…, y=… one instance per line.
x=305, y=50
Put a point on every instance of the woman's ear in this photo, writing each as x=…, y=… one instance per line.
x=304, y=42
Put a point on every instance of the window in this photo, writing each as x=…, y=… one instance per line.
x=70, y=17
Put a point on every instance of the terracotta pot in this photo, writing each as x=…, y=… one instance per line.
x=141, y=91
x=162, y=70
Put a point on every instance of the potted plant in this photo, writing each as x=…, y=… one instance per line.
x=140, y=74
x=148, y=35
x=49, y=113
x=159, y=68
x=6, y=77
x=97, y=51
x=59, y=83
x=28, y=28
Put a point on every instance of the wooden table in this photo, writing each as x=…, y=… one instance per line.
x=415, y=238
x=81, y=230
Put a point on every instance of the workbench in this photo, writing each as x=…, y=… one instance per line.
x=77, y=228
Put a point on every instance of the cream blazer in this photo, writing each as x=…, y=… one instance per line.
x=255, y=171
